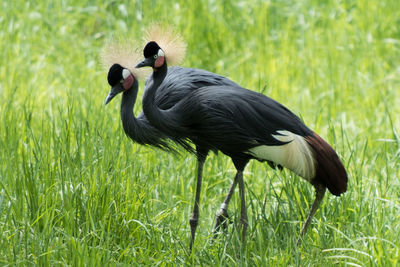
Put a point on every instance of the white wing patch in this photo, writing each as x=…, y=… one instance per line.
x=296, y=156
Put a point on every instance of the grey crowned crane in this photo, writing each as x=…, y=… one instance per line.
x=244, y=125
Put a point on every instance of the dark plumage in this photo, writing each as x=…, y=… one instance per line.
x=243, y=125
x=170, y=92
x=151, y=46
x=248, y=118
x=234, y=120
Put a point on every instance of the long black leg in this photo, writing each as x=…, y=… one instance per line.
x=243, y=210
x=194, y=218
x=319, y=195
x=222, y=215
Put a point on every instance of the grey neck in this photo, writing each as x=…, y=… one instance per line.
x=155, y=115
x=132, y=126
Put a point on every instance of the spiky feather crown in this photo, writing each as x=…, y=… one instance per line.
x=124, y=52
x=169, y=40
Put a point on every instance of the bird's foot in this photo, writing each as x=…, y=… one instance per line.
x=244, y=222
x=193, y=225
x=222, y=221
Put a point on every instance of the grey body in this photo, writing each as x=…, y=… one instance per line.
x=228, y=118
x=231, y=119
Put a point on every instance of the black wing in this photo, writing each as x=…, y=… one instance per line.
x=232, y=119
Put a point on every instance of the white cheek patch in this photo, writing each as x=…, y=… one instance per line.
x=296, y=155
x=125, y=73
x=160, y=53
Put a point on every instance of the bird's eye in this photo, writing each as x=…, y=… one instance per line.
x=155, y=56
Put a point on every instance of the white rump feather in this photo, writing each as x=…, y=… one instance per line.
x=296, y=155
x=170, y=42
x=126, y=53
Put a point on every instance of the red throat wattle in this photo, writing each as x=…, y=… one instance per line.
x=128, y=82
x=159, y=62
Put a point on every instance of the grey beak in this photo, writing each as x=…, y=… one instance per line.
x=147, y=62
x=115, y=90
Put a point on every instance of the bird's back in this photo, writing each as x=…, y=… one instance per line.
x=248, y=118
x=180, y=82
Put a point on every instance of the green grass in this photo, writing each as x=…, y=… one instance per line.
x=74, y=190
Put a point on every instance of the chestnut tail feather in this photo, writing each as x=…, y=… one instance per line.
x=330, y=171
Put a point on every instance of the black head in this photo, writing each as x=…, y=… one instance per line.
x=114, y=74
x=120, y=79
x=153, y=56
x=151, y=49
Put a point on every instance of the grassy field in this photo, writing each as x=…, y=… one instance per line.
x=75, y=191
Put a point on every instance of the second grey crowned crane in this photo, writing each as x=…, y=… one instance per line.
x=244, y=125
